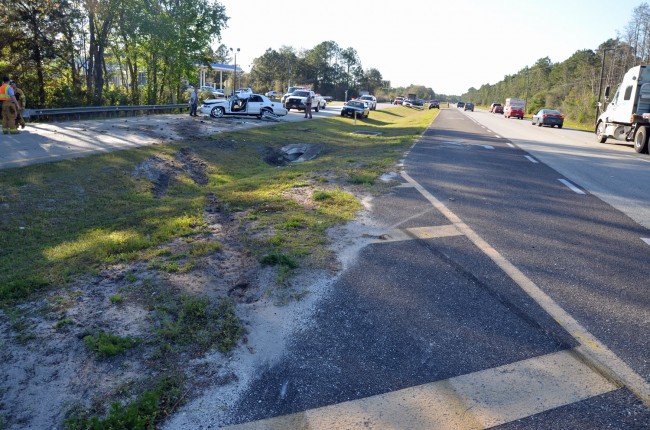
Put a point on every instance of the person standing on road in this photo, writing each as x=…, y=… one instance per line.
x=9, y=107
x=308, y=102
x=22, y=103
x=194, y=101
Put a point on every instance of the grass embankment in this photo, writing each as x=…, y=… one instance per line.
x=72, y=218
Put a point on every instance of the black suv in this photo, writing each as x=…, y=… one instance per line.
x=460, y=104
x=469, y=106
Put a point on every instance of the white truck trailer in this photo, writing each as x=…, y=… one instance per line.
x=627, y=116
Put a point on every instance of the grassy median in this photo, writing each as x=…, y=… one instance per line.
x=72, y=217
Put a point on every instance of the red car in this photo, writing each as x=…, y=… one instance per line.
x=496, y=108
x=516, y=111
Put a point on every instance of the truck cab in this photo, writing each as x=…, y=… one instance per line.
x=627, y=116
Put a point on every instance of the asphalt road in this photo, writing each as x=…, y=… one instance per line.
x=47, y=142
x=491, y=259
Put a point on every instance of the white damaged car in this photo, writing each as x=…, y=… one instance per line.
x=244, y=104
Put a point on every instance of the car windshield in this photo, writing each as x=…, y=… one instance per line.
x=300, y=93
x=366, y=98
x=551, y=112
x=356, y=104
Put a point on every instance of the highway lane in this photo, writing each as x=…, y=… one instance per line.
x=503, y=179
x=47, y=142
x=612, y=171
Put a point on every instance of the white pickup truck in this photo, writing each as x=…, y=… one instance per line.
x=297, y=100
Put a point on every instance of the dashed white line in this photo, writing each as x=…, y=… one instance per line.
x=646, y=240
x=510, y=145
x=531, y=159
x=571, y=186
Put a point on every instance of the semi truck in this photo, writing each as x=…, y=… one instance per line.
x=627, y=116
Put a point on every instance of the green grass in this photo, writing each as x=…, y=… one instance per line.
x=145, y=412
x=69, y=218
x=107, y=345
x=193, y=322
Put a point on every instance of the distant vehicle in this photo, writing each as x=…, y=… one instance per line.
x=398, y=100
x=496, y=108
x=291, y=90
x=460, y=105
x=298, y=98
x=434, y=104
x=248, y=104
x=548, y=117
x=469, y=106
x=355, y=107
x=514, y=107
x=272, y=94
x=244, y=91
x=372, y=101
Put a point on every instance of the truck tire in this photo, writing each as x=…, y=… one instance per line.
x=600, y=133
x=641, y=140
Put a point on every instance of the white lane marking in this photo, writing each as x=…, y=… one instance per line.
x=531, y=159
x=497, y=136
x=593, y=351
x=510, y=145
x=487, y=146
x=646, y=240
x=572, y=187
x=476, y=400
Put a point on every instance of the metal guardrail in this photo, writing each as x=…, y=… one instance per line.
x=77, y=112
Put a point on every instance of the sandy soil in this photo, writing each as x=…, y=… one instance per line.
x=46, y=371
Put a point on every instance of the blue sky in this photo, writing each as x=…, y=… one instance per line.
x=448, y=45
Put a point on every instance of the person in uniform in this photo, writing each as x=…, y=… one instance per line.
x=308, y=103
x=22, y=103
x=9, y=107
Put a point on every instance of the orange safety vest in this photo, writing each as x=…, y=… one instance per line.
x=4, y=93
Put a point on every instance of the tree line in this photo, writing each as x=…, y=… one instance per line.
x=105, y=52
x=129, y=52
x=573, y=86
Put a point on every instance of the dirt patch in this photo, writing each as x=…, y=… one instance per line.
x=160, y=170
x=46, y=370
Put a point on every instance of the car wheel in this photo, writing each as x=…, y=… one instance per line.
x=559, y=126
x=217, y=112
x=539, y=124
x=601, y=137
x=317, y=108
x=342, y=114
x=641, y=140
x=262, y=112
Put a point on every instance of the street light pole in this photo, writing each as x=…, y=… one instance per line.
x=234, y=77
x=526, y=96
x=600, y=83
